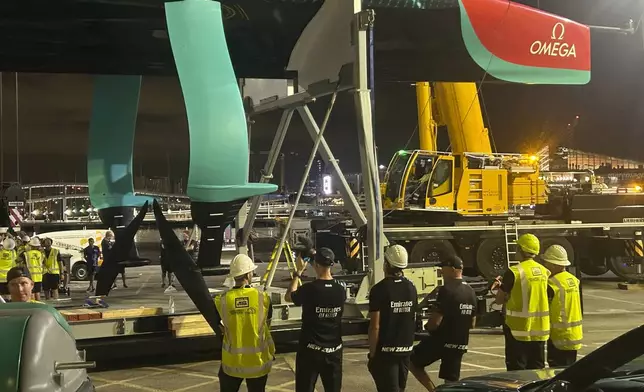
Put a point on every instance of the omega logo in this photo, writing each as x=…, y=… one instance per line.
x=556, y=46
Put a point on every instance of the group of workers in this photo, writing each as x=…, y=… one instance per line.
x=35, y=258
x=541, y=304
x=248, y=349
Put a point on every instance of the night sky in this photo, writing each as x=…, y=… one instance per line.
x=54, y=112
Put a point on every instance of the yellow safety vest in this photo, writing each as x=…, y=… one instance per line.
x=565, y=312
x=248, y=349
x=527, y=314
x=34, y=264
x=7, y=262
x=51, y=262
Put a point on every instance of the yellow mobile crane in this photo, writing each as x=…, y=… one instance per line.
x=475, y=202
x=470, y=180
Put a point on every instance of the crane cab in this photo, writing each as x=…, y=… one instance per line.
x=467, y=183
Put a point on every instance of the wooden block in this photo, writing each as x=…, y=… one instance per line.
x=189, y=332
x=177, y=321
x=128, y=313
x=81, y=314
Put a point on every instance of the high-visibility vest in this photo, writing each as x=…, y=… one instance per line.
x=7, y=262
x=566, y=331
x=34, y=264
x=527, y=312
x=51, y=262
x=248, y=349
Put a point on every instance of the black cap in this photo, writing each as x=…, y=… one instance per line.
x=452, y=261
x=18, y=272
x=325, y=256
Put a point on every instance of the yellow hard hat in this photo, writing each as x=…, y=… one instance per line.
x=529, y=243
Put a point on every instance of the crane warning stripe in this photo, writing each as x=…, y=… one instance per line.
x=522, y=44
x=15, y=217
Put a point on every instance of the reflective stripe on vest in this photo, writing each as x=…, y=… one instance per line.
x=7, y=262
x=34, y=264
x=51, y=262
x=565, y=312
x=527, y=311
x=247, y=348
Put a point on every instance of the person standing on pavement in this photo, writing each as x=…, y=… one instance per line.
x=248, y=350
x=106, y=247
x=524, y=292
x=53, y=269
x=8, y=258
x=166, y=268
x=566, y=332
x=448, y=325
x=392, y=313
x=320, y=348
x=91, y=254
x=33, y=259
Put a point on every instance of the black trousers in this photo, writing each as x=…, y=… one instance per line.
x=560, y=358
x=309, y=364
x=232, y=384
x=389, y=372
x=523, y=355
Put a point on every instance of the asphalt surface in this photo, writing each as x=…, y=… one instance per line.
x=486, y=355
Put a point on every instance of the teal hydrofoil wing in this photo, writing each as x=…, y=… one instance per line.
x=111, y=142
x=219, y=150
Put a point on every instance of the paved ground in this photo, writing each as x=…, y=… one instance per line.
x=485, y=356
x=601, y=298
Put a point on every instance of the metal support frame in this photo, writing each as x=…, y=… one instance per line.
x=267, y=172
x=307, y=170
x=363, y=21
x=350, y=201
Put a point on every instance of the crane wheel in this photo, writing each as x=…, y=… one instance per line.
x=431, y=251
x=625, y=267
x=491, y=258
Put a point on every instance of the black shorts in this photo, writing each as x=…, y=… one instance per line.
x=92, y=270
x=37, y=287
x=4, y=289
x=430, y=350
x=50, y=281
x=389, y=372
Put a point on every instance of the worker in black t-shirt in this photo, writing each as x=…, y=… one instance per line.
x=320, y=349
x=449, y=326
x=392, y=314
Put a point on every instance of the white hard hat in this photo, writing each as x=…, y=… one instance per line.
x=9, y=244
x=396, y=256
x=34, y=242
x=557, y=255
x=25, y=238
x=241, y=265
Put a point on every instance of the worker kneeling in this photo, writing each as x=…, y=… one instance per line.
x=20, y=284
x=247, y=350
x=524, y=291
x=565, y=309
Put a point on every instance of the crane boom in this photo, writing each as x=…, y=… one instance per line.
x=460, y=110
